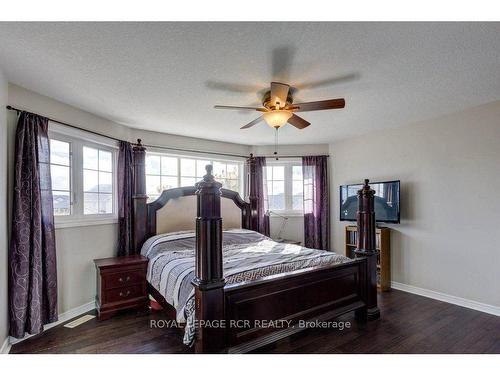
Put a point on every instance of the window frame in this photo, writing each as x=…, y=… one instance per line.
x=288, y=185
x=63, y=138
x=196, y=157
x=77, y=140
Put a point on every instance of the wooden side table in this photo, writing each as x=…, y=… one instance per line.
x=121, y=284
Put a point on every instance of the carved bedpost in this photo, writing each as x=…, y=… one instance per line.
x=139, y=196
x=209, y=281
x=366, y=246
x=251, y=192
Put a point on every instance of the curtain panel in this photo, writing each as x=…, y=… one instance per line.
x=125, y=177
x=32, y=251
x=316, y=202
x=262, y=203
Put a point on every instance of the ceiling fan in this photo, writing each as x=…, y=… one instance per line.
x=278, y=108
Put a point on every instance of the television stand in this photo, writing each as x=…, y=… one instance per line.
x=383, y=247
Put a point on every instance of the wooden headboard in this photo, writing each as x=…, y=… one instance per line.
x=175, y=210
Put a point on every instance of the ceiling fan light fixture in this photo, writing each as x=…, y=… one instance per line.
x=277, y=118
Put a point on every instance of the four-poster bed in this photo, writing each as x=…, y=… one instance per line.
x=315, y=290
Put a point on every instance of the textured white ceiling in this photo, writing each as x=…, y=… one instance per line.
x=167, y=76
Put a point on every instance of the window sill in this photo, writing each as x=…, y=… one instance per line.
x=85, y=223
x=286, y=214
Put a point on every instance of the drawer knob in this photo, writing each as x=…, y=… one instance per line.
x=126, y=294
x=124, y=280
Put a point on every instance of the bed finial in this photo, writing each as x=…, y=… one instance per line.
x=209, y=168
x=366, y=245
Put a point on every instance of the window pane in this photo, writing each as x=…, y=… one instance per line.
x=233, y=185
x=60, y=177
x=90, y=203
x=297, y=195
x=168, y=166
x=90, y=158
x=188, y=181
x=153, y=164
x=105, y=161
x=297, y=202
x=219, y=170
x=297, y=172
x=200, y=167
x=61, y=203
x=153, y=185
x=277, y=202
x=152, y=198
x=270, y=188
x=168, y=183
x=232, y=171
x=188, y=168
x=279, y=173
x=90, y=181
x=297, y=187
x=278, y=187
x=105, y=182
x=105, y=204
x=59, y=152
x=269, y=173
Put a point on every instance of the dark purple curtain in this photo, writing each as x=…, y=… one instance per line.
x=32, y=253
x=261, y=188
x=125, y=188
x=316, y=202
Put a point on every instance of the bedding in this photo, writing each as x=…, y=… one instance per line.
x=247, y=255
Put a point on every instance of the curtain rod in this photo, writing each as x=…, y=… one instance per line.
x=290, y=156
x=10, y=108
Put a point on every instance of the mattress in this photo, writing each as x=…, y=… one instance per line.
x=247, y=255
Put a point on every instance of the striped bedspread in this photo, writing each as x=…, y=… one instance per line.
x=247, y=255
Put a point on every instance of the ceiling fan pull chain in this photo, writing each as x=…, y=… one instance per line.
x=276, y=143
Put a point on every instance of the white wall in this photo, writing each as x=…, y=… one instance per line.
x=3, y=212
x=294, y=228
x=448, y=240
x=76, y=247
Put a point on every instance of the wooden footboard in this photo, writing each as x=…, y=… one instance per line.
x=250, y=312
x=262, y=311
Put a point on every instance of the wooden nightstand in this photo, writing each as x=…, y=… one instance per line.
x=121, y=284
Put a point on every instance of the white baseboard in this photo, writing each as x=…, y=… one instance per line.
x=5, y=346
x=65, y=316
x=474, y=305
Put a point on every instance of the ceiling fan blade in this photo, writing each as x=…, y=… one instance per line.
x=298, y=122
x=252, y=123
x=240, y=108
x=320, y=105
x=327, y=81
x=232, y=87
x=279, y=93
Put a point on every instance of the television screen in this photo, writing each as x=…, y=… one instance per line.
x=386, y=201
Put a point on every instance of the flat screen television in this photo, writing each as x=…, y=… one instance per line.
x=386, y=201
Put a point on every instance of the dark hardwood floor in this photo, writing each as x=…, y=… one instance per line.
x=409, y=324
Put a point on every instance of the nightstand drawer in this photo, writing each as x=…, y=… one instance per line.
x=124, y=294
x=122, y=279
